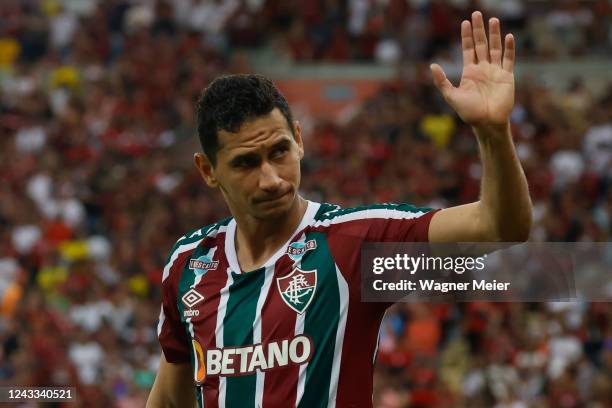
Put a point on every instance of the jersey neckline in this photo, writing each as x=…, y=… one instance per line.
x=230, y=240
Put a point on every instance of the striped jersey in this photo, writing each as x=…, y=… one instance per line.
x=292, y=333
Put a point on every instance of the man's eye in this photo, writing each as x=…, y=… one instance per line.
x=280, y=151
x=245, y=163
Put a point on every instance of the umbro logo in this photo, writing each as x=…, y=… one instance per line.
x=192, y=298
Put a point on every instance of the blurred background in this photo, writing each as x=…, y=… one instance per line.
x=97, y=182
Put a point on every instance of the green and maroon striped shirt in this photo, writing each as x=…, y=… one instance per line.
x=293, y=332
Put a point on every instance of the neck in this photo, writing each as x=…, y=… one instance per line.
x=257, y=240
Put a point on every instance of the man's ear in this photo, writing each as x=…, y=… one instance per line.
x=297, y=132
x=206, y=169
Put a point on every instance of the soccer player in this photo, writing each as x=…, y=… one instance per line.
x=263, y=309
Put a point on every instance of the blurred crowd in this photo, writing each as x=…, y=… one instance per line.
x=387, y=31
x=96, y=183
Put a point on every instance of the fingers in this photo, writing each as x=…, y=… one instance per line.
x=480, y=37
x=495, y=47
x=476, y=47
x=467, y=43
x=440, y=80
x=509, y=52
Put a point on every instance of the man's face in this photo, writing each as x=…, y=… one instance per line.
x=258, y=167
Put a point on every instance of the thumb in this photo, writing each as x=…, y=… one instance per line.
x=440, y=80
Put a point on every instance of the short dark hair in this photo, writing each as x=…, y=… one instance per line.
x=230, y=101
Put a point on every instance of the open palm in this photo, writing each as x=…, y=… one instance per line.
x=485, y=95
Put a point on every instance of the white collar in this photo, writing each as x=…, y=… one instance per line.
x=230, y=239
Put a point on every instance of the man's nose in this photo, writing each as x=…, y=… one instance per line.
x=268, y=178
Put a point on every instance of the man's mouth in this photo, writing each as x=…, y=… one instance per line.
x=273, y=198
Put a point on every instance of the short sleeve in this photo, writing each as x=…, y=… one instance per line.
x=170, y=330
x=401, y=223
x=380, y=222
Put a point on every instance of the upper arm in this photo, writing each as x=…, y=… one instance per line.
x=173, y=386
x=462, y=223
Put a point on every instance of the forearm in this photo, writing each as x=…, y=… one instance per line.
x=157, y=399
x=173, y=386
x=505, y=205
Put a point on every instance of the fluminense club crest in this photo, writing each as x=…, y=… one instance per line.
x=298, y=288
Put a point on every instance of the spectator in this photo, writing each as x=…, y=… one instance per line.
x=96, y=124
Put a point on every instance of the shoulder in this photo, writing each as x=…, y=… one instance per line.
x=334, y=214
x=197, y=235
x=191, y=240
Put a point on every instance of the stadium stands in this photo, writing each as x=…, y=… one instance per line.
x=96, y=183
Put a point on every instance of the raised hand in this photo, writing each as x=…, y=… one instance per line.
x=485, y=95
